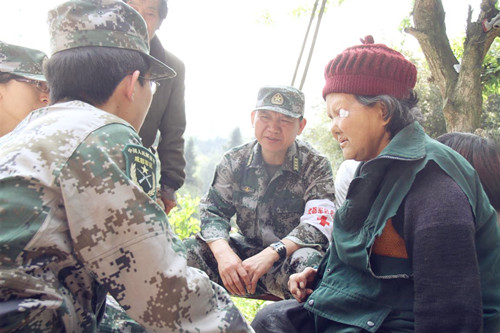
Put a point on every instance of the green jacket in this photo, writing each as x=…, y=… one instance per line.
x=349, y=293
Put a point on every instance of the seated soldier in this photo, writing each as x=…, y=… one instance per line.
x=77, y=193
x=22, y=84
x=281, y=191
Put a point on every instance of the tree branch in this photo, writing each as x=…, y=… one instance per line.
x=430, y=31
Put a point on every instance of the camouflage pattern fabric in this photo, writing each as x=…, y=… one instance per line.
x=267, y=210
x=75, y=226
x=286, y=100
x=105, y=23
x=116, y=320
x=22, y=61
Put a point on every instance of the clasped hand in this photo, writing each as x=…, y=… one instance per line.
x=241, y=277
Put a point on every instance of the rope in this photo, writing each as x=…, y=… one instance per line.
x=320, y=16
x=304, y=42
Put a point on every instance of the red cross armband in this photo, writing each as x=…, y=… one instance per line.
x=319, y=213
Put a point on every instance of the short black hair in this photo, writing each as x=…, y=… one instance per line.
x=484, y=155
x=91, y=74
x=163, y=9
x=6, y=77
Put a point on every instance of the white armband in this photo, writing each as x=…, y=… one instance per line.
x=319, y=213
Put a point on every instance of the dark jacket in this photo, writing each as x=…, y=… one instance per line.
x=442, y=251
x=167, y=114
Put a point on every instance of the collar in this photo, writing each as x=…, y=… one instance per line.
x=156, y=49
x=407, y=144
x=292, y=161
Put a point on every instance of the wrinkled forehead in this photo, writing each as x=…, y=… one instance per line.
x=145, y=4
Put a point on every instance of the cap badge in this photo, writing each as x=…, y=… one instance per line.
x=277, y=99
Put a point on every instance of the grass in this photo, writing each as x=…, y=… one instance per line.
x=249, y=307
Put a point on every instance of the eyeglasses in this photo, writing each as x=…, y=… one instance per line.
x=40, y=85
x=152, y=83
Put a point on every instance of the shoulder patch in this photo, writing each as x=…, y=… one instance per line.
x=141, y=168
x=295, y=163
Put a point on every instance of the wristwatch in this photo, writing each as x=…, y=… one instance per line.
x=280, y=248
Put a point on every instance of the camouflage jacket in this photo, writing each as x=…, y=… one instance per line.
x=296, y=203
x=77, y=223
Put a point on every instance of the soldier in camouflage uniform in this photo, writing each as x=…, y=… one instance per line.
x=22, y=84
x=77, y=193
x=281, y=191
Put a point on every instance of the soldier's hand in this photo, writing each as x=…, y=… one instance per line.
x=233, y=274
x=258, y=265
x=168, y=198
x=168, y=205
x=299, y=284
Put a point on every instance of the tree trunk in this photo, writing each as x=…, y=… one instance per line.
x=459, y=84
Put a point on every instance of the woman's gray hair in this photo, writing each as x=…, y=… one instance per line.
x=401, y=112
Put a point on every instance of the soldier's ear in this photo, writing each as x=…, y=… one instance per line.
x=129, y=84
x=302, y=124
x=252, y=117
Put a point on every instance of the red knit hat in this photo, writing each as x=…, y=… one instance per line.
x=370, y=70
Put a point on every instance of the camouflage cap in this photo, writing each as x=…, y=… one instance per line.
x=22, y=61
x=283, y=99
x=107, y=23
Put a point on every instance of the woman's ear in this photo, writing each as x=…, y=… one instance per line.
x=384, y=114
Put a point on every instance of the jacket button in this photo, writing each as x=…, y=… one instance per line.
x=370, y=323
x=311, y=302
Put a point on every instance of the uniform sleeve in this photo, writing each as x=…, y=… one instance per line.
x=316, y=224
x=172, y=127
x=124, y=240
x=440, y=236
x=216, y=207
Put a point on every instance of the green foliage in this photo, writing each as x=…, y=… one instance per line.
x=186, y=223
x=317, y=133
x=191, y=164
x=430, y=100
x=249, y=307
x=405, y=23
x=490, y=118
x=307, y=7
x=490, y=77
x=265, y=18
x=185, y=220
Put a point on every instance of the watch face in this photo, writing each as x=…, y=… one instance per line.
x=280, y=248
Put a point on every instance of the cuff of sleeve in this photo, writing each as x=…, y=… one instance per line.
x=167, y=193
x=211, y=239
x=317, y=246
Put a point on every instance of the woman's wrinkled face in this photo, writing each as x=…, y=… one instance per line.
x=359, y=129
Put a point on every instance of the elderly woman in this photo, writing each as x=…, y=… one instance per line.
x=22, y=84
x=415, y=245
